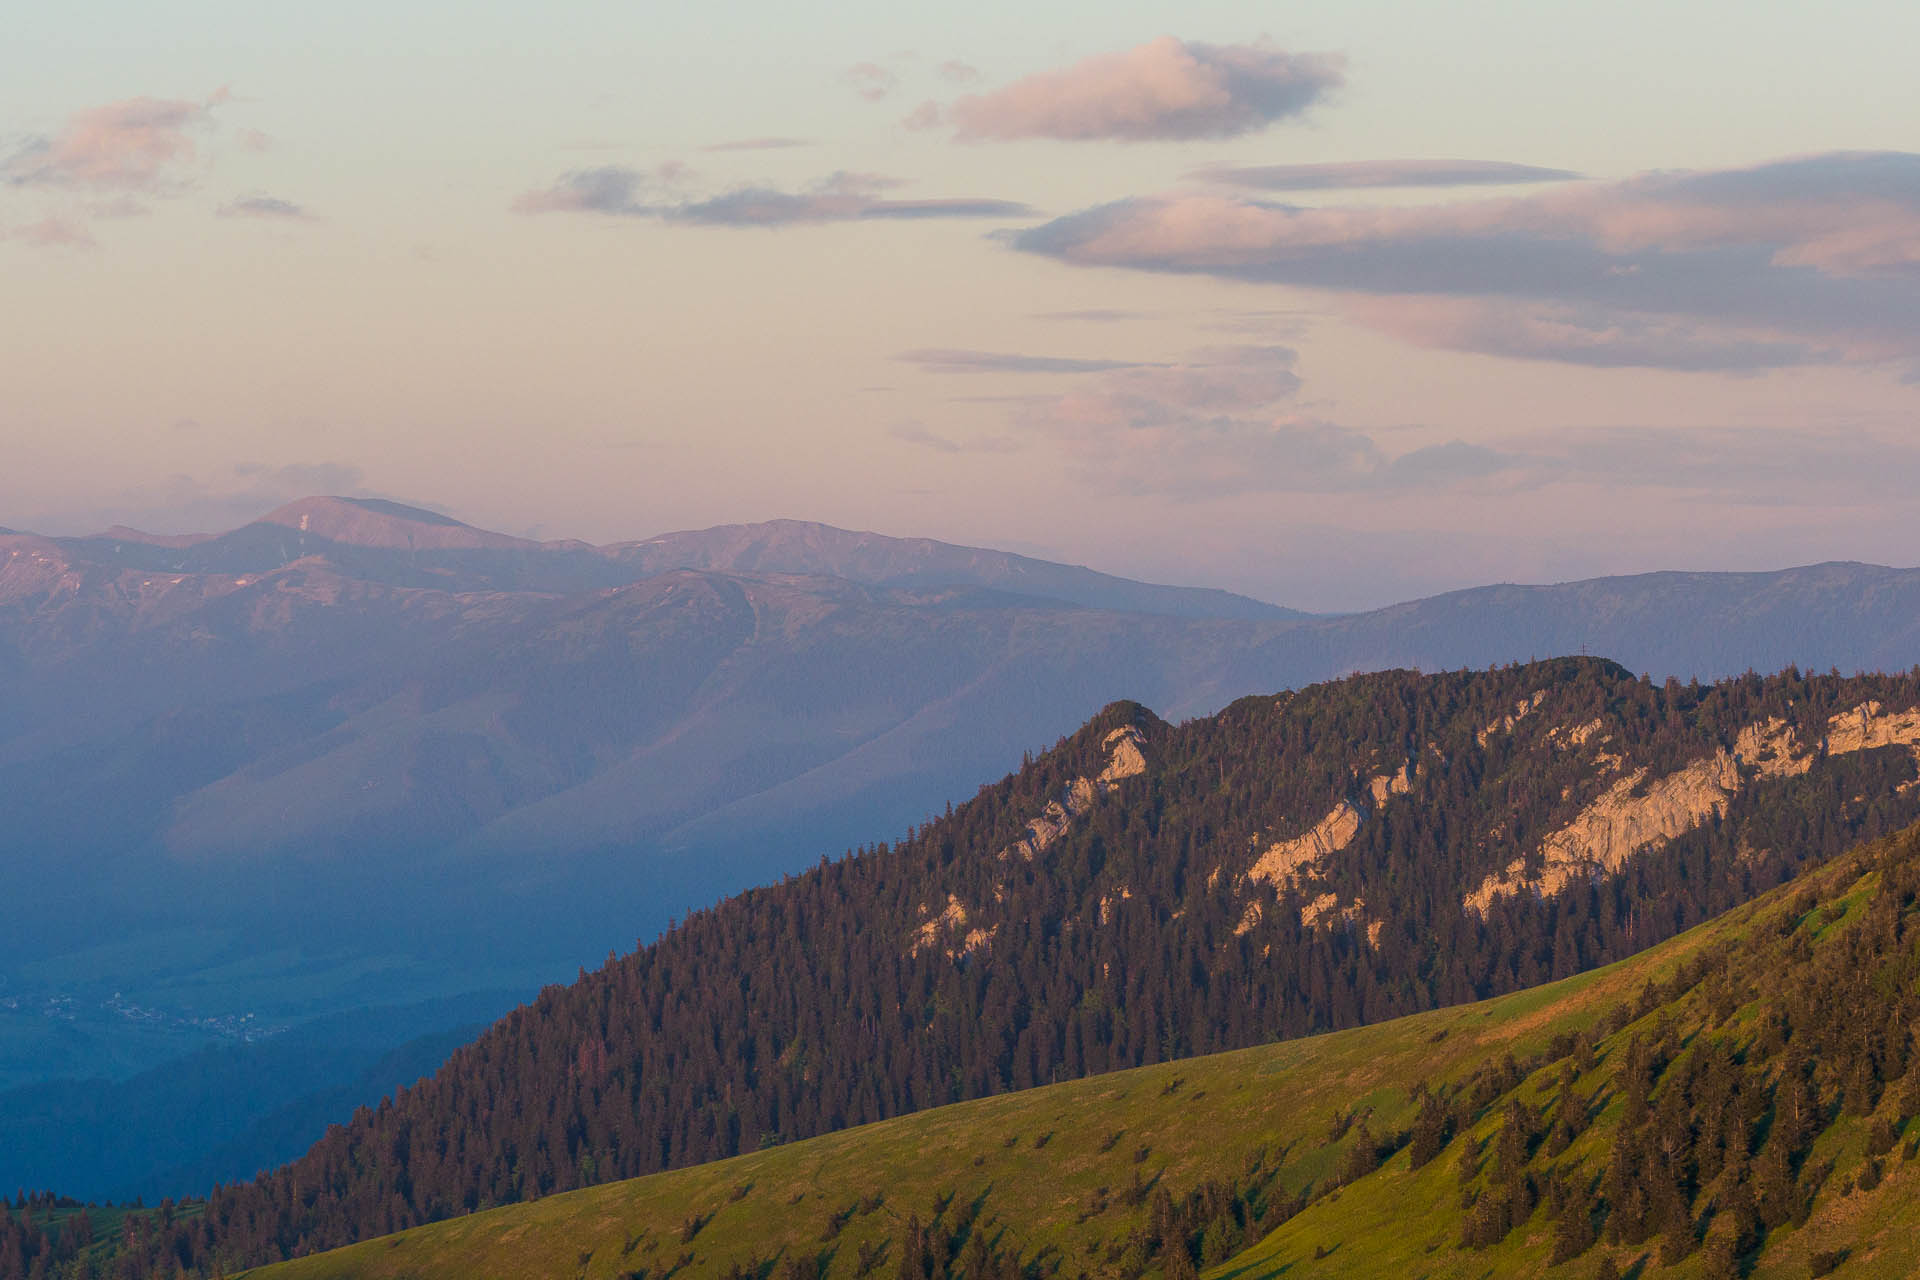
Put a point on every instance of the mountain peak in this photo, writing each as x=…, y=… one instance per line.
x=377, y=522
x=807, y=547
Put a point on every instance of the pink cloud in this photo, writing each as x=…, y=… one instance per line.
x=1164, y=89
x=1838, y=227
x=1221, y=380
x=1585, y=336
x=839, y=197
x=133, y=145
x=1804, y=260
x=1362, y=174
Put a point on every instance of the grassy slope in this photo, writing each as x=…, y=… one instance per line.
x=1225, y=1107
x=1037, y=1161
x=1364, y=1230
x=1406, y=1223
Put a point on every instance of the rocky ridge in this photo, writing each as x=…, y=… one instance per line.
x=1638, y=813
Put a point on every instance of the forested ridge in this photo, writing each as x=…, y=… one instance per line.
x=1771, y=1078
x=826, y=1000
x=1740, y=1102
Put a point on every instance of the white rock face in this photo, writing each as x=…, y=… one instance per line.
x=1635, y=816
x=1384, y=785
x=1286, y=861
x=1124, y=760
x=1124, y=757
x=1521, y=710
x=1868, y=726
x=949, y=930
x=947, y=925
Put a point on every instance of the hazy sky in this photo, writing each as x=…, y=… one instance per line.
x=1333, y=304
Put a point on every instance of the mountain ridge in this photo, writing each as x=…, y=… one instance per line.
x=1697, y=1110
x=1127, y=898
x=350, y=529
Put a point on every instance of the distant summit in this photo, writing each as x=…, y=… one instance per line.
x=803, y=547
x=376, y=522
x=377, y=540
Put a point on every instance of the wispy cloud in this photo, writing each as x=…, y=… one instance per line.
x=1090, y=315
x=1227, y=421
x=1218, y=423
x=762, y=207
x=1362, y=174
x=1164, y=89
x=840, y=197
x=609, y=189
x=870, y=80
x=1805, y=260
x=758, y=144
x=919, y=434
x=1597, y=337
x=952, y=360
x=268, y=207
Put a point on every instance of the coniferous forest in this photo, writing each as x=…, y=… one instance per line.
x=963, y=961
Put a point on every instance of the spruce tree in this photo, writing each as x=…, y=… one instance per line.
x=1430, y=1128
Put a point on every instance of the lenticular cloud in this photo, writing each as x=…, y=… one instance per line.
x=1811, y=259
x=1164, y=89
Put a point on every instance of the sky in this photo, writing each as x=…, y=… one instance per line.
x=1330, y=304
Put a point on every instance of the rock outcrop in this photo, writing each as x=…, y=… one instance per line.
x=1637, y=814
x=1287, y=861
x=1125, y=759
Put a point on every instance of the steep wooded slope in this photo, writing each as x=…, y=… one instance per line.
x=354, y=692
x=1142, y=893
x=1738, y=1101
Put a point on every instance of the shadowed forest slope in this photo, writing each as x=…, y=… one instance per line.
x=1738, y=1101
x=1145, y=892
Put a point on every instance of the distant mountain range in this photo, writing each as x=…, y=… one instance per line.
x=354, y=685
x=358, y=754
x=351, y=674
x=385, y=542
